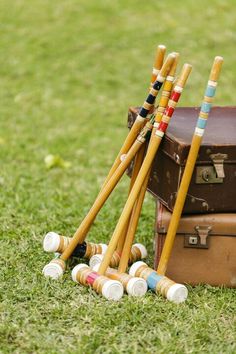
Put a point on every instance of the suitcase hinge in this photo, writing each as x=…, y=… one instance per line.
x=218, y=161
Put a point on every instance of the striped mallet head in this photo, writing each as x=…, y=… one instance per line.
x=110, y=289
x=158, y=62
x=134, y=286
x=209, y=96
x=160, y=284
x=174, y=98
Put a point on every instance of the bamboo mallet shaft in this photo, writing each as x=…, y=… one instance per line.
x=137, y=165
x=190, y=164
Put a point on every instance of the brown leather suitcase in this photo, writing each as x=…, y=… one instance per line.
x=204, y=250
x=213, y=185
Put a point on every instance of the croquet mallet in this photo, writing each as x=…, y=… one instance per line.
x=190, y=164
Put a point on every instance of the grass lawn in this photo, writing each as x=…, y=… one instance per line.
x=68, y=72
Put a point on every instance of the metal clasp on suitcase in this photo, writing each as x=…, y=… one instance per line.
x=200, y=240
x=212, y=174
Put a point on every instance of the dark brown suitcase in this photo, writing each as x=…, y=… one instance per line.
x=204, y=250
x=213, y=185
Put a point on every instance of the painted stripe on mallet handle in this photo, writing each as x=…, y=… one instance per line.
x=156, y=86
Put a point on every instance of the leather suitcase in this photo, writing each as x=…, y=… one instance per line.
x=204, y=250
x=213, y=185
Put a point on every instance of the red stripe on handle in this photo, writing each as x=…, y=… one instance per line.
x=163, y=126
x=175, y=96
x=92, y=277
x=169, y=111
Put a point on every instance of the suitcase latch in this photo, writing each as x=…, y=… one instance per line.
x=212, y=174
x=201, y=240
x=203, y=232
x=218, y=161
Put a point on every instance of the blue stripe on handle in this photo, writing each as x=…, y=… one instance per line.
x=210, y=91
x=153, y=279
x=201, y=123
x=206, y=107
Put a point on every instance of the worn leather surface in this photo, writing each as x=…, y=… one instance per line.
x=220, y=132
x=169, y=163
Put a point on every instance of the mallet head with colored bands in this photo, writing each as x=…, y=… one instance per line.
x=160, y=284
x=110, y=289
x=133, y=285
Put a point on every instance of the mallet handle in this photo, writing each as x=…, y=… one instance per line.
x=190, y=164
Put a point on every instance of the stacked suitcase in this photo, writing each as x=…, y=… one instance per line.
x=205, y=245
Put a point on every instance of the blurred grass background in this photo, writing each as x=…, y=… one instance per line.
x=69, y=71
